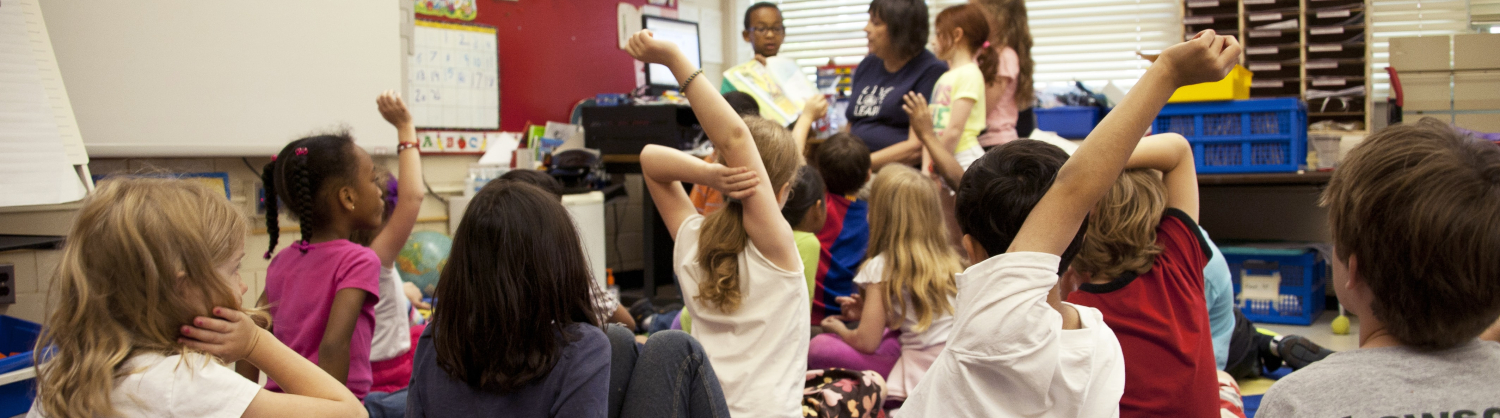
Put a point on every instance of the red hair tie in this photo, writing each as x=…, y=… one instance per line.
x=302, y=151
x=986, y=44
x=273, y=158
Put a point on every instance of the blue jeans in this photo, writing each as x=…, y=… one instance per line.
x=386, y=405
x=670, y=377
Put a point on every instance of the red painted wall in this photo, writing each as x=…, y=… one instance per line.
x=554, y=53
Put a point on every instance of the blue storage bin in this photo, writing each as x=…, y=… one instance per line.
x=1072, y=122
x=1241, y=136
x=17, y=336
x=1303, y=278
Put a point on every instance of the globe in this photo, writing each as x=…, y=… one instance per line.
x=422, y=258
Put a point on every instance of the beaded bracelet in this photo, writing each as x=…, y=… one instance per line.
x=405, y=146
x=683, y=89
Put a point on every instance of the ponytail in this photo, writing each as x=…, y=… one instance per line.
x=720, y=243
x=989, y=63
x=273, y=225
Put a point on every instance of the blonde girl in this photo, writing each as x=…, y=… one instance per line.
x=741, y=274
x=130, y=333
x=907, y=284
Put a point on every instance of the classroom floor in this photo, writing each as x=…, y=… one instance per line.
x=1321, y=332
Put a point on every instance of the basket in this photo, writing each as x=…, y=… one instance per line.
x=17, y=377
x=1241, y=136
x=1235, y=86
x=1072, y=122
x=1285, y=286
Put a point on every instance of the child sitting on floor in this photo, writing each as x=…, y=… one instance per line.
x=907, y=285
x=844, y=162
x=1415, y=215
x=1142, y=266
x=1016, y=349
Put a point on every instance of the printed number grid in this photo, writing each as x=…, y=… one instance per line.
x=454, y=77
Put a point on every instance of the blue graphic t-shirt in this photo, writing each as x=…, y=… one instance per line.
x=874, y=112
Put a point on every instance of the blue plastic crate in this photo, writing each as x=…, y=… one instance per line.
x=1303, y=280
x=1072, y=122
x=1241, y=136
x=17, y=336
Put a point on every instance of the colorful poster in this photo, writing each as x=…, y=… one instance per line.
x=452, y=9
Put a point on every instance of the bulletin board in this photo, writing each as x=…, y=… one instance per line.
x=454, y=76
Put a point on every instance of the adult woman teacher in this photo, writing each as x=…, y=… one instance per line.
x=1010, y=98
x=898, y=63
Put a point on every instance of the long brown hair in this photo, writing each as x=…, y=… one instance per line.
x=1121, y=234
x=906, y=228
x=512, y=284
x=723, y=237
x=139, y=263
x=1014, y=32
x=976, y=33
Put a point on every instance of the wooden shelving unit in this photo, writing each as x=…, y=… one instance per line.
x=1294, y=46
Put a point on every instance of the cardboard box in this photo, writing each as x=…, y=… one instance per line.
x=1476, y=51
x=1425, y=53
x=1477, y=92
x=1426, y=91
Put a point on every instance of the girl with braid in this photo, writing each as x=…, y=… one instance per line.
x=322, y=289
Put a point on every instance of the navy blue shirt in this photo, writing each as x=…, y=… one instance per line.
x=874, y=113
x=578, y=385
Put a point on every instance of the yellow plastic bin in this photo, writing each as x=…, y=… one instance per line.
x=1234, y=87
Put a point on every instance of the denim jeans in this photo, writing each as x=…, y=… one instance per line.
x=670, y=376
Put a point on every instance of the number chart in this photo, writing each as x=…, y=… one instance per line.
x=454, y=76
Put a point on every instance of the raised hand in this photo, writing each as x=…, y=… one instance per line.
x=232, y=338
x=1206, y=58
x=645, y=47
x=816, y=107
x=393, y=109
x=735, y=182
x=921, y=116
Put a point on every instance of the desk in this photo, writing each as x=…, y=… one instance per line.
x=620, y=132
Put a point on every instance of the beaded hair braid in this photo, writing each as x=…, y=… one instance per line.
x=301, y=177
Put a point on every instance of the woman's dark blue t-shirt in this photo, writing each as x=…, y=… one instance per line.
x=874, y=112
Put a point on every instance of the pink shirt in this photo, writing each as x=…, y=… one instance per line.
x=1000, y=120
x=300, y=289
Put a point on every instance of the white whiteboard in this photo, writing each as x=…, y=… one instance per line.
x=454, y=78
x=225, y=78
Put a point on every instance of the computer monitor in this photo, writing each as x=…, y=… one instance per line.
x=682, y=33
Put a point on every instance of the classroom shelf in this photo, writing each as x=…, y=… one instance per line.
x=1301, y=178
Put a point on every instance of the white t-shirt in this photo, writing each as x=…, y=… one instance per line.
x=1009, y=356
x=937, y=333
x=392, y=335
x=759, y=352
x=178, y=386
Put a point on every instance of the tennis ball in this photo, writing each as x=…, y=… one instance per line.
x=1341, y=325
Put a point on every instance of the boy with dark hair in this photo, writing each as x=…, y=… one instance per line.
x=1414, y=212
x=764, y=31
x=844, y=162
x=743, y=103
x=1016, y=348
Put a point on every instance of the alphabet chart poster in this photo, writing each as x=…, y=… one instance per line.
x=454, y=76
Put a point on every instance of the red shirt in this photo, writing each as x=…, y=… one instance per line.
x=1162, y=324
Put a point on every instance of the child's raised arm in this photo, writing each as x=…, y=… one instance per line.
x=768, y=230
x=1092, y=170
x=816, y=108
x=942, y=155
x=388, y=244
x=1173, y=157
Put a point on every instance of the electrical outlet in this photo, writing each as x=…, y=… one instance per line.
x=7, y=284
